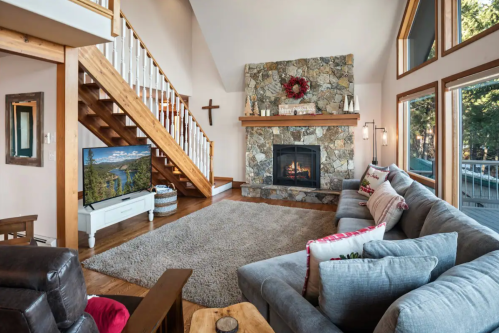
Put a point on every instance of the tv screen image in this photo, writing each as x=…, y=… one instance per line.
x=110, y=172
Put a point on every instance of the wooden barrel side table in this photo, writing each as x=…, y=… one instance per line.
x=248, y=317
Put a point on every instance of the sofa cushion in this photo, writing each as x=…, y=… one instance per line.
x=291, y=268
x=420, y=200
x=401, y=182
x=474, y=239
x=393, y=168
x=442, y=246
x=347, y=224
x=461, y=300
x=348, y=206
x=356, y=293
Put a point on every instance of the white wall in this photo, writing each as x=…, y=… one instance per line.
x=475, y=54
x=28, y=190
x=165, y=28
x=227, y=133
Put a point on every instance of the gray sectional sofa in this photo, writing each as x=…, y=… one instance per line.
x=274, y=286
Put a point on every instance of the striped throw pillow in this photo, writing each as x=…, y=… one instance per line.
x=386, y=205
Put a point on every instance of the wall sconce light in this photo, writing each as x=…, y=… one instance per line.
x=384, y=138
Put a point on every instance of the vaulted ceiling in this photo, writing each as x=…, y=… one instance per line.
x=254, y=31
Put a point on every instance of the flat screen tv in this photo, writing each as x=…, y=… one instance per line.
x=111, y=172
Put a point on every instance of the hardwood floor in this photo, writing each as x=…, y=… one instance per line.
x=120, y=233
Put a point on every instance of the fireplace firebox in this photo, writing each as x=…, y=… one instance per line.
x=297, y=165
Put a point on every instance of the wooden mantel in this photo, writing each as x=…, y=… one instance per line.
x=318, y=120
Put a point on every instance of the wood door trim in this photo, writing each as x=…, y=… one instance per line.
x=454, y=164
x=420, y=179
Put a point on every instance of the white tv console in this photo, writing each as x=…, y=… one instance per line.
x=112, y=211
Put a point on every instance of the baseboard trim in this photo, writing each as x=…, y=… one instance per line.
x=237, y=184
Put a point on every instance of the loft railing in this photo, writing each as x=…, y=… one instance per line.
x=133, y=60
x=107, y=8
x=480, y=183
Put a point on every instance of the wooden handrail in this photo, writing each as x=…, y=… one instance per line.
x=149, y=54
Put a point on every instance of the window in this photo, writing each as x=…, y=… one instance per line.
x=466, y=21
x=471, y=145
x=417, y=133
x=417, y=41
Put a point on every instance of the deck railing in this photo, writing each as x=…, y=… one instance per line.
x=132, y=59
x=107, y=8
x=480, y=183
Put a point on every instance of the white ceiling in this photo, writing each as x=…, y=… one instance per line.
x=253, y=31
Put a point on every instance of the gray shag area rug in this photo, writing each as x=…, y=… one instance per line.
x=214, y=242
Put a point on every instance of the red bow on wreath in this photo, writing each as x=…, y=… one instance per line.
x=296, y=87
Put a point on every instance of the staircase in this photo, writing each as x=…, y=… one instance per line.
x=125, y=98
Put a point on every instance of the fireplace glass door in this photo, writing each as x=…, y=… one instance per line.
x=297, y=165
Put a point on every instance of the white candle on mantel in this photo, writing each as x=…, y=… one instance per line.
x=262, y=112
x=268, y=112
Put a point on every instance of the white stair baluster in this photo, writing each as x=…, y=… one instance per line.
x=207, y=158
x=172, y=104
x=158, y=92
x=181, y=125
x=130, y=67
x=177, y=120
x=186, y=136
x=137, y=69
x=161, y=113
x=115, y=53
x=195, y=143
x=151, y=68
x=201, y=162
x=144, y=65
x=190, y=137
x=123, y=35
x=167, y=124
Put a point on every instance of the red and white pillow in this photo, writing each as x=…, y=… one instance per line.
x=332, y=248
x=372, y=180
x=386, y=205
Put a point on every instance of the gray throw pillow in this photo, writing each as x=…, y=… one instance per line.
x=442, y=246
x=420, y=200
x=355, y=293
x=464, y=299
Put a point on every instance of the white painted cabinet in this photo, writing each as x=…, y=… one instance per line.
x=113, y=211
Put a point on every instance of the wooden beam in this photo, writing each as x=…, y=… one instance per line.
x=29, y=46
x=67, y=150
x=101, y=70
x=318, y=120
x=96, y=8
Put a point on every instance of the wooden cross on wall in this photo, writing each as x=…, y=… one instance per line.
x=209, y=107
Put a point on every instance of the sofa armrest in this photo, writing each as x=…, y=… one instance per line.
x=351, y=184
x=296, y=311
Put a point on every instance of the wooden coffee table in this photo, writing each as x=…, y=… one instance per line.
x=250, y=320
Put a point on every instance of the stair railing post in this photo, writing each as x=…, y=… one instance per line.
x=137, y=68
x=130, y=67
x=190, y=137
x=115, y=53
x=144, y=65
x=186, y=138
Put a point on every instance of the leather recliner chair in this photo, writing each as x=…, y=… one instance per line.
x=42, y=290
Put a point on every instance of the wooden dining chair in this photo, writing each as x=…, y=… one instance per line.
x=15, y=225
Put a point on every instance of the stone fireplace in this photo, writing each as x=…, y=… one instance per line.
x=296, y=165
x=332, y=152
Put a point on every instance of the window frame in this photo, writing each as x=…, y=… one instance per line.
x=450, y=29
x=450, y=133
x=402, y=147
x=403, y=33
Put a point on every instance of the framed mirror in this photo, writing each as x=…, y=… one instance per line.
x=24, y=129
